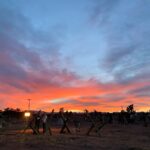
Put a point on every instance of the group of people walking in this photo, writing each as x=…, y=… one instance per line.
x=36, y=121
x=65, y=119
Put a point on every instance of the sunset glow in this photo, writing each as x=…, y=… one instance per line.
x=75, y=54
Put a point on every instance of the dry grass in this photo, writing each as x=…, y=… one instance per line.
x=113, y=137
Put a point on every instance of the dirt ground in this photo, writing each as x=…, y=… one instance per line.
x=113, y=137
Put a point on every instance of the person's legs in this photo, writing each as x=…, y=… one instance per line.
x=90, y=129
x=37, y=125
x=62, y=129
x=44, y=127
x=67, y=129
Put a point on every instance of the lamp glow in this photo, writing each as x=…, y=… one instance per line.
x=27, y=114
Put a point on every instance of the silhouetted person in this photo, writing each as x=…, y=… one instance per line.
x=77, y=123
x=38, y=120
x=65, y=121
x=44, y=122
x=31, y=124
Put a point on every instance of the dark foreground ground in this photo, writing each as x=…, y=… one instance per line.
x=113, y=137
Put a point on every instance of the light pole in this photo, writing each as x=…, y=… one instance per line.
x=29, y=104
x=27, y=114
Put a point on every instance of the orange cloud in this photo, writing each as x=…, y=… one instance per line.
x=92, y=96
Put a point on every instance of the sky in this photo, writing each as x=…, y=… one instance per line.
x=92, y=54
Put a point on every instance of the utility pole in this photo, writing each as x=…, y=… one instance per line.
x=29, y=104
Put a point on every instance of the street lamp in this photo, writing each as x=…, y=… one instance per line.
x=27, y=114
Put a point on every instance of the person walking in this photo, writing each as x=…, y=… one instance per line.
x=44, y=122
x=37, y=121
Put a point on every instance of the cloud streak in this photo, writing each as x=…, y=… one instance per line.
x=127, y=35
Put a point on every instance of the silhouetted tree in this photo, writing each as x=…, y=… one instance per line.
x=130, y=108
x=12, y=113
